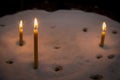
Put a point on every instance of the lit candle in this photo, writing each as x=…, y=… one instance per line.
x=35, y=43
x=103, y=34
x=21, y=33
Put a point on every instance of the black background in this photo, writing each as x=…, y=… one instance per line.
x=108, y=8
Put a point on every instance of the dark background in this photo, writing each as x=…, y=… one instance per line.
x=108, y=8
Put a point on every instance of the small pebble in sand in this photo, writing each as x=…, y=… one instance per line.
x=111, y=56
x=85, y=29
x=9, y=62
x=52, y=27
x=114, y=32
x=99, y=56
x=2, y=25
x=96, y=77
x=58, y=68
x=57, y=47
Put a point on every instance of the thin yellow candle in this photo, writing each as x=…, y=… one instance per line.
x=35, y=43
x=103, y=34
x=21, y=33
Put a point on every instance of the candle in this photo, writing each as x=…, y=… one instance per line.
x=21, y=33
x=103, y=34
x=35, y=43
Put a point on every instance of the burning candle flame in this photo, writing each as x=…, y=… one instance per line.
x=35, y=23
x=21, y=24
x=104, y=27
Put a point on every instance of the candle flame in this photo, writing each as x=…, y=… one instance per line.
x=104, y=27
x=21, y=24
x=35, y=23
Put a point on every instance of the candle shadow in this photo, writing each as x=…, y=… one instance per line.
x=105, y=47
x=17, y=43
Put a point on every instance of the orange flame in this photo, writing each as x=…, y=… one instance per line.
x=21, y=24
x=104, y=27
x=35, y=23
